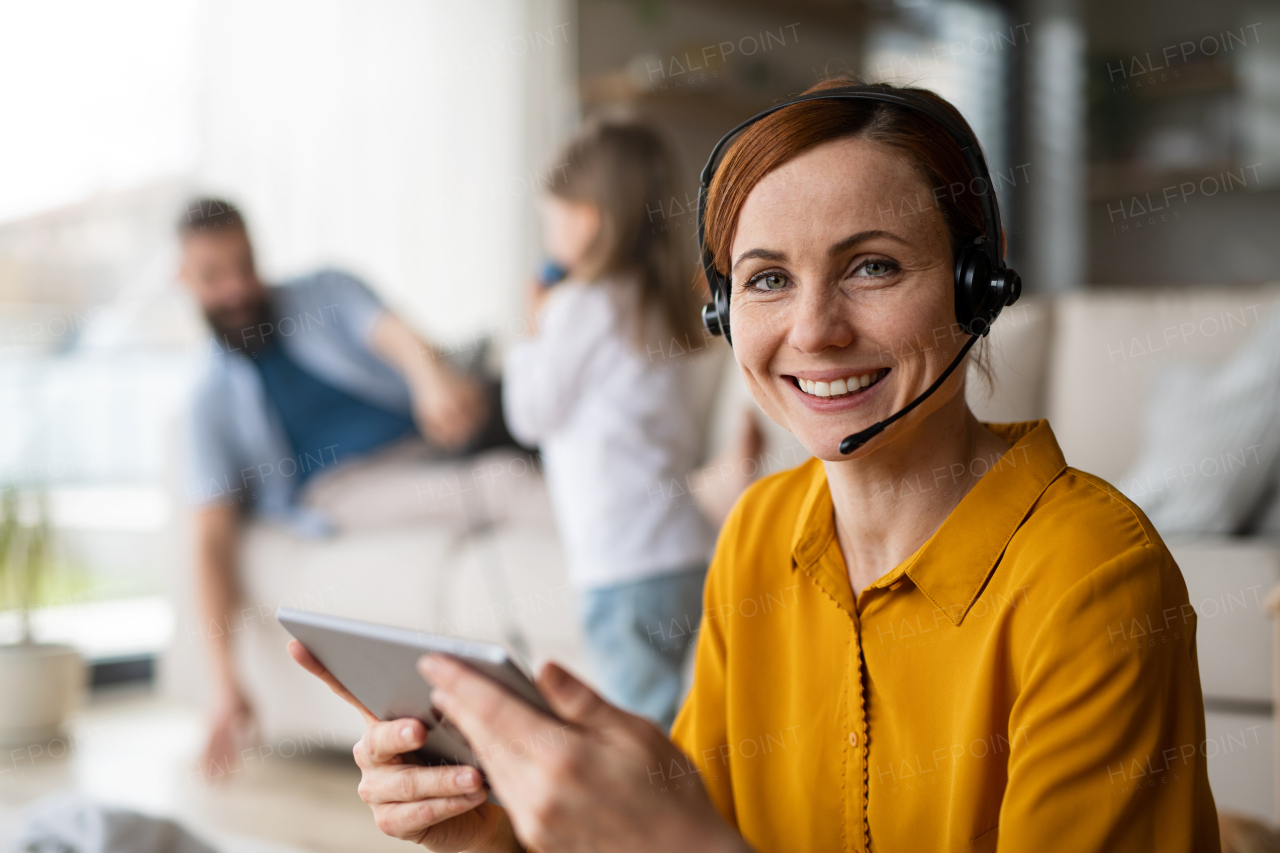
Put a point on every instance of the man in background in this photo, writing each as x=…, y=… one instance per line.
x=302, y=376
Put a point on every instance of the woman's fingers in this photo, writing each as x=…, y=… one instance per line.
x=487, y=714
x=573, y=701
x=307, y=661
x=411, y=783
x=409, y=821
x=383, y=742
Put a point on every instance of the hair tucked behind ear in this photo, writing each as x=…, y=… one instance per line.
x=627, y=172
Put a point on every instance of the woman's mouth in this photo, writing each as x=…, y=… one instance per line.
x=845, y=387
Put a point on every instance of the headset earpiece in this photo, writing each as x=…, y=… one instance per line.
x=715, y=314
x=972, y=285
x=981, y=292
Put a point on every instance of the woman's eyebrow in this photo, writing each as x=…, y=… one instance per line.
x=854, y=239
x=839, y=248
x=766, y=254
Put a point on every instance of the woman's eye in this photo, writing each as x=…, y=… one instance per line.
x=768, y=281
x=874, y=268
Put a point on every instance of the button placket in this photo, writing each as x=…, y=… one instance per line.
x=857, y=739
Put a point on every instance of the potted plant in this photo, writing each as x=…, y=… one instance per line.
x=40, y=683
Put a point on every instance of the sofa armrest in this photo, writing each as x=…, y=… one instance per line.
x=1227, y=582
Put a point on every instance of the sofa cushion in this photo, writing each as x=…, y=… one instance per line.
x=1241, y=750
x=1105, y=343
x=1211, y=439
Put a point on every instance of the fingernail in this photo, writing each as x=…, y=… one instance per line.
x=407, y=733
x=466, y=778
x=429, y=664
x=441, y=699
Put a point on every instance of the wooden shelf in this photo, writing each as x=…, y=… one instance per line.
x=841, y=14
x=716, y=103
x=1206, y=77
x=1112, y=181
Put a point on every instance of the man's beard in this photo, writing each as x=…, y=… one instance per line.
x=247, y=328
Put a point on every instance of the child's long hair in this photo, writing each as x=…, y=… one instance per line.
x=627, y=172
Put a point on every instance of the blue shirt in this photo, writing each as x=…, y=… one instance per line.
x=240, y=449
x=324, y=423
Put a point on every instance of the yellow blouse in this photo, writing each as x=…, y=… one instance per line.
x=1026, y=681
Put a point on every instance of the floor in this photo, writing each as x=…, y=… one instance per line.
x=129, y=748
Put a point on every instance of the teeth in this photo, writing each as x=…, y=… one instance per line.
x=839, y=387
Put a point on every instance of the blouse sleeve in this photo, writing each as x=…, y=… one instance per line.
x=700, y=729
x=1107, y=736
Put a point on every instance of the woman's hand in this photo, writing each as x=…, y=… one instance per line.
x=598, y=779
x=441, y=808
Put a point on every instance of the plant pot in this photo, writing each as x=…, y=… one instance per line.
x=40, y=684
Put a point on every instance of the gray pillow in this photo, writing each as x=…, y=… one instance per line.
x=1211, y=440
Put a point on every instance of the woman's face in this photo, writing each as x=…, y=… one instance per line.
x=568, y=229
x=841, y=280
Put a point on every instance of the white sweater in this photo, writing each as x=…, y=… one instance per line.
x=616, y=431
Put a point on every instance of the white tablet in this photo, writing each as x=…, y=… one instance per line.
x=378, y=664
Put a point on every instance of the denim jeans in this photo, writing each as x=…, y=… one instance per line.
x=639, y=635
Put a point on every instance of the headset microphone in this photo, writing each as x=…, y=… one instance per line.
x=858, y=439
x=983, y=284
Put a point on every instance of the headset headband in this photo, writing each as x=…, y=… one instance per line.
x=992, y=246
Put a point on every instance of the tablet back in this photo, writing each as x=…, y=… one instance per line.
x=378, y=664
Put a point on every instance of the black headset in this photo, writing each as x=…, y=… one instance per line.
x=983, y=284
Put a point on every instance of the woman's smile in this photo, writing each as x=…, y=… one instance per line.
x=836, y=391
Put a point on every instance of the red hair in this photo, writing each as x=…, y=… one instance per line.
x=784, y=135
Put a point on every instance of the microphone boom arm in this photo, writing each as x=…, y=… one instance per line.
x=858, y=439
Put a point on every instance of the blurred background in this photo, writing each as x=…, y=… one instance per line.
x=404, y=141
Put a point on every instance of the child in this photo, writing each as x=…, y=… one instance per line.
x=601, y=395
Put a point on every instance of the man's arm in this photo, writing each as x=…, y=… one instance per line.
x=449, y=408
x=217, y=546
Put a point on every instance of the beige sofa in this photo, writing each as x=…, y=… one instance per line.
x=490, y=566
x=1081, y=361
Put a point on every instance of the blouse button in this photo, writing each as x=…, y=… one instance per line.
x=853, y=738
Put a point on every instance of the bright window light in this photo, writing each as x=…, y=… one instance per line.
x=95, y=97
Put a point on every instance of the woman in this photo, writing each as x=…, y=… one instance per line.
x=946, y=640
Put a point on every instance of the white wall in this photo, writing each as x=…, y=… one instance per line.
x=395, y=138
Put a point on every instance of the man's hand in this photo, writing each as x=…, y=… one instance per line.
x=232, y=728
x=217, y=545
x=441, y=808
x=449, y=408
x=601, y=780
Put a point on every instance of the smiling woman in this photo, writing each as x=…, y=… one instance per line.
x=1003, y=661
x=946, y=656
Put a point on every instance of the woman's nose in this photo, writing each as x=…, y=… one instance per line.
x=821, y=320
